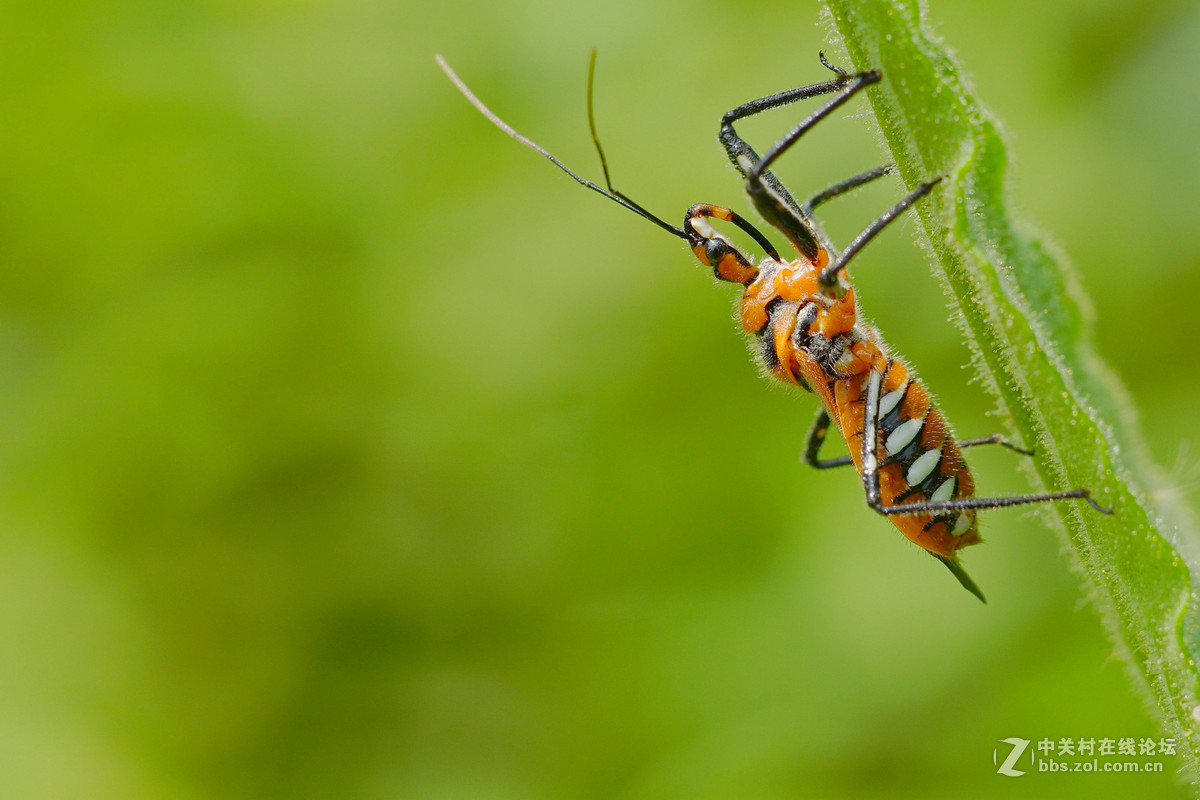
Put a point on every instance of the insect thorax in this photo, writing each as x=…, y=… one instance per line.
x=787, y=315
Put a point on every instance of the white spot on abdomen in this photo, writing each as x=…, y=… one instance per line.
x=945, y=491
x=890, y=401
x=923, y=467
x=903, y=435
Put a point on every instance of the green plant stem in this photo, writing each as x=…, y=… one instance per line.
x=1021, y=312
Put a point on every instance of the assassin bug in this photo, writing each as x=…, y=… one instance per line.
x=804, y=320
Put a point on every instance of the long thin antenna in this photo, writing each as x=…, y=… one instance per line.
x=610, y=193
x=592, y=120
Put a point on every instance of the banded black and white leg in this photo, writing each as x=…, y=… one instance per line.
x=936, y=506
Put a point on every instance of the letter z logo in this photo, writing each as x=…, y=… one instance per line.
x=1018, y=749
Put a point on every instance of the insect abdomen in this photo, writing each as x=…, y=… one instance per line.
x=919, y=459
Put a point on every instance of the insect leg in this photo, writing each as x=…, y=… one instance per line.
x=828, y=278
x=742, y=155
x=870, y=476
x=816, y=437
x=845, y=186
x=931, y=507
x=995, y=438
x=869, y=464
x=806, y=208
x=848, y=86
x=770, y=197
x=820, y=427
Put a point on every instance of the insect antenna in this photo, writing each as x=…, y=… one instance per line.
x=612, y=194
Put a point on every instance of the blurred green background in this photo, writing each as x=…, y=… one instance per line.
x=350, y=450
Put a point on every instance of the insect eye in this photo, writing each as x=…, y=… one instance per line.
x=715, y=250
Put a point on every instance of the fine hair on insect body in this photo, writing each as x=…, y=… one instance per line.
x=802, y=315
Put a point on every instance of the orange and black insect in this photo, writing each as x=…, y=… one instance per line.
x=802, y=315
